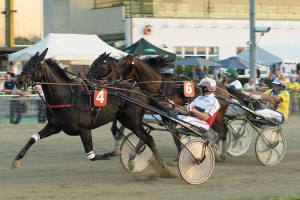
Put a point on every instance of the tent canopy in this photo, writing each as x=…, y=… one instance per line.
x=143, y=47
x=196, y=62
x=68, y=47
x=273, y=54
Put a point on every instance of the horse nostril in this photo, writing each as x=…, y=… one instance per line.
x=20, y=82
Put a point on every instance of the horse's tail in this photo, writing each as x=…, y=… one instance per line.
x=244, y=98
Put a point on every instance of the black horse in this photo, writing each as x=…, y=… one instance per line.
x=70, y=109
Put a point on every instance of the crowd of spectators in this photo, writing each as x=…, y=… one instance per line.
x=18, y=105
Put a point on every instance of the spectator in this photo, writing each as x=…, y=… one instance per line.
x=257, y=75
x=277, y=74
x=11, y=72
x=248, y=87
x=200, y=73
x=217, y=74
x=285, y=75
x=9, y=83
x=41, y=106
x=16, y=106
x=298, y=79
x=293, y=87
x=294, y=74
x=261, y=86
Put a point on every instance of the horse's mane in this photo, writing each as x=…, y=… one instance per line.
x=55, y=68
x=158, y=64
x=113, y=59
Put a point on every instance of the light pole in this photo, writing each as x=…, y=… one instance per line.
x=131, y=13
x=252, y=41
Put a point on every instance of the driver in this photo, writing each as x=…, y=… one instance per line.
x=278, y=99
x=203, y=110
x=231, y=77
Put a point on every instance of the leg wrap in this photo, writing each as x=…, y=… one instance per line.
x=36, y=137
x=90, y=155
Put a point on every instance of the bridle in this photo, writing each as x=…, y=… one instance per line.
x=120, y=76
x=93, y=75
x=29, y=80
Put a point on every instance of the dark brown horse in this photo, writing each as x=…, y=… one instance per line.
x=141, y=71
x=69, y=109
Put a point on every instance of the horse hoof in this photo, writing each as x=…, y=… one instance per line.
x=117, y=152
x=15, y=164
x=131, y=165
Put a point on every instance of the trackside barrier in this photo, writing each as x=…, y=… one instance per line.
x=27, y=107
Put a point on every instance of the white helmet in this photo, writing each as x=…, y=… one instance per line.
x=209, y=83
x=281, y=81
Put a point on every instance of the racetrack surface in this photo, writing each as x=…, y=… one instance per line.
x=56, y=168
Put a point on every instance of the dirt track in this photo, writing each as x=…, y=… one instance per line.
x=56, y=168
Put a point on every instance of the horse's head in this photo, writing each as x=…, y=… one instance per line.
x=122, y=71
x=31, y=71
x=101, y=67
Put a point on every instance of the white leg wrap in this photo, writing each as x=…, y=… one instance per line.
x=36, y=137
x=90, y=155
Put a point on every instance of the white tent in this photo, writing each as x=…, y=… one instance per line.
x=68, y=47
x=274, y=54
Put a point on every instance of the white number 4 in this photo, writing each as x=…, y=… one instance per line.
x=100, y=96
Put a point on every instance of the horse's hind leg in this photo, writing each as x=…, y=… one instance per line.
x=48, y=130
x=117, y=134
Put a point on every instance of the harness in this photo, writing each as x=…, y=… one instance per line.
x=179, y=87
x=29, y=81
x=93, y=75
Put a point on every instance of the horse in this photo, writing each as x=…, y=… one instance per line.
x=100, y=68
x=155, y=82
x=69, y=109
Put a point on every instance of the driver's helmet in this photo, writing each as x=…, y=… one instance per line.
x=232, y=72
x=281, y=81
x=209, y=83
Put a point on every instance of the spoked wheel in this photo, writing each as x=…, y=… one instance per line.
x=142, y=158
x=240, y=132
x=270, y=146
x=191, y=170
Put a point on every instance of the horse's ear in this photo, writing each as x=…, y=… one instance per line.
x=37, y=54
x=43, y=55
x=134, y=55
x=103, y=54
x=107, y=55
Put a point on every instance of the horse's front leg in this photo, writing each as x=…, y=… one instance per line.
x=87, y=141
x=48, y=130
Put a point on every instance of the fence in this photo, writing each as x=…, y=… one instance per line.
x=26, y=108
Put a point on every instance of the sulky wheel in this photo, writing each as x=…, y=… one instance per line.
x=240, y=132
x=191, y=170
x=142, y=158
x=270, y=146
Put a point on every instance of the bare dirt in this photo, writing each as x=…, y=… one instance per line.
x=56, y=168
